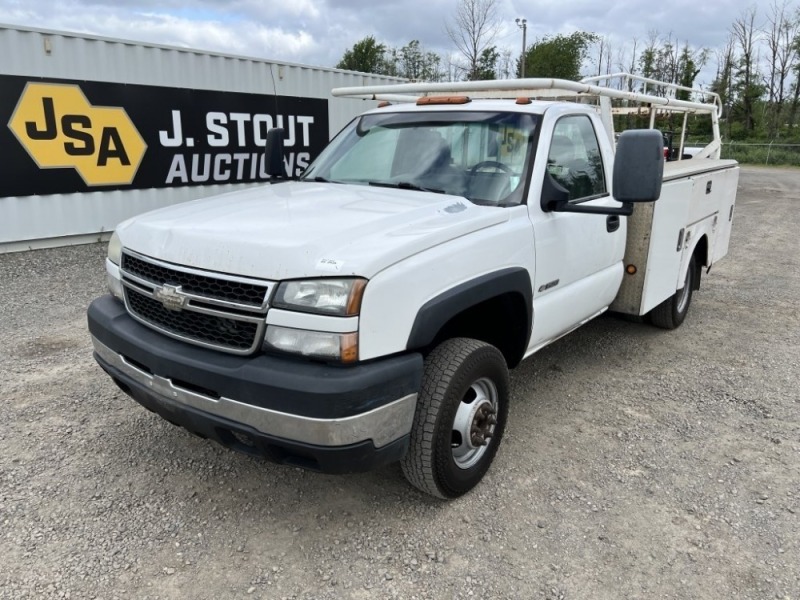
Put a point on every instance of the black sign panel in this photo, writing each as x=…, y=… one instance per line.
x=60, y=136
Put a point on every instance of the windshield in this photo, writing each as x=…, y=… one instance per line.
x=483, y=156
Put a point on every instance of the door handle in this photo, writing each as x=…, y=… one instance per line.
x=612, y=223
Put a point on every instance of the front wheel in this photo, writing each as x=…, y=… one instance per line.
x=460, y=418
x=671, y=313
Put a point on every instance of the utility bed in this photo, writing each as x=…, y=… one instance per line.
x=697, y=198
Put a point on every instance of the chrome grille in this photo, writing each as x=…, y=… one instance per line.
x=250, y=294
x=208, y=309
x=218, y=331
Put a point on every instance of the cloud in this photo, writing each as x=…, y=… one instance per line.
x=317, y=32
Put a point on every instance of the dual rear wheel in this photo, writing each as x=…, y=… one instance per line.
x=672, y=311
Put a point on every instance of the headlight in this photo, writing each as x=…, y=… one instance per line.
x=340, y=297
x=342, y=347
x=115, y=249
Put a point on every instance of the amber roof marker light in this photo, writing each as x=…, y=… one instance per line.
x=429, y=100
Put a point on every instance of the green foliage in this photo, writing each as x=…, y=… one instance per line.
x=663, y=60
x=559, y=56
x=647, y=62
x=487, y=64
x=747, y=94
x=723, y=84
x=688, y=67
x=367, y=56
x=410, y=61
x=414, y=63
x=762, y=153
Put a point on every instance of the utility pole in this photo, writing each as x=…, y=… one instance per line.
x=523, y=24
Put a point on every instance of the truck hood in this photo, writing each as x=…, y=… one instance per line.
x=304, y=229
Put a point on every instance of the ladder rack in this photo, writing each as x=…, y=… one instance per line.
x=550, y=88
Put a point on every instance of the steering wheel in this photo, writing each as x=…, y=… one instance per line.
x=491, y=164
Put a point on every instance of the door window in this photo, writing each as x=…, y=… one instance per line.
x=574, y=160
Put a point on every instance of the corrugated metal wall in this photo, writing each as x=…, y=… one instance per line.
x=33, y=221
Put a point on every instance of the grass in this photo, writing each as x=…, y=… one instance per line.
x=762, y=154
x=757, y=152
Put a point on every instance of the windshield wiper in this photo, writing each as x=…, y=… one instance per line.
x=405, y=185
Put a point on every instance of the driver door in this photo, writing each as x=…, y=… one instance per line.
x=578, y=256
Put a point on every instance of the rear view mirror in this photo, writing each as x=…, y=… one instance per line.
x=639, y=166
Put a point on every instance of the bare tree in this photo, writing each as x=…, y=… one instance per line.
x=505, y=64
x=780, y=33
x=629, y=67
x=647, y=59
x=601, y=45
x=723, y=82
x=473, y=31
x=746, y=35
x=604, y=52
x=452, y=67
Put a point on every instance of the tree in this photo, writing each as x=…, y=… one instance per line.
x=560, y=56
x=603, y=54
x=723, y=82
x=690, y=63
x=626, y=65
x=505, y=64
x=648, y=58
x=473, y=31
x=367, y=56
x=487, y=65
x=780, y=34
x=746, y=34
x=796, y=86
x=417, y=64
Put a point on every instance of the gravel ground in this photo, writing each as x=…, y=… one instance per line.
x=638, y=463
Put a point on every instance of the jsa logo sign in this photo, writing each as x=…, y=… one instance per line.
x=60, y=129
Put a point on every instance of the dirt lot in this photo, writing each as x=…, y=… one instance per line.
x=638, y=463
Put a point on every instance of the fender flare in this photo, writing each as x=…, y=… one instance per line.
x=437, y=311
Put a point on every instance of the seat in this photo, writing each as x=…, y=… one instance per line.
x=570, y=172
x=561, y=149
x=427, y=160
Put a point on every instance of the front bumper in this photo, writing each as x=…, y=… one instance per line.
x=322, y=417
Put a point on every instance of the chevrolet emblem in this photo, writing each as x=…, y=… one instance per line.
x=171, y=297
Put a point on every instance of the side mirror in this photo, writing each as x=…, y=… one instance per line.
x=639, y=166
x=554, y=195
x=273, y=153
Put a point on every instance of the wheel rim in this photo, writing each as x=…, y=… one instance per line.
x=683, y=299
x=474, y=423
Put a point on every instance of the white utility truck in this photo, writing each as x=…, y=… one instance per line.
x=369, y=312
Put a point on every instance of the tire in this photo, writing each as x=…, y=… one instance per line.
x=671, y=313
x=464, y=385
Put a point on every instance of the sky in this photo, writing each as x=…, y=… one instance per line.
x=317, y=32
